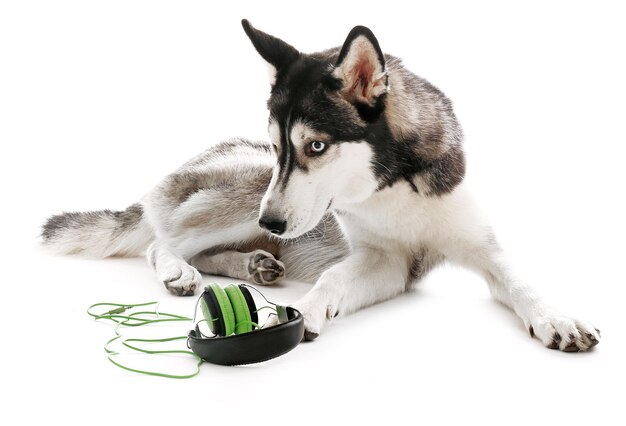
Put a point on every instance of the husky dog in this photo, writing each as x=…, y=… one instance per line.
x=361, y=190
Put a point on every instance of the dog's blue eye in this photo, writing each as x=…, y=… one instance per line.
x=317, y=146
x=314, y=148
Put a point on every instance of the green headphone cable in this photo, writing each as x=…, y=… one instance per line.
x=136, y=319
x=139, y=318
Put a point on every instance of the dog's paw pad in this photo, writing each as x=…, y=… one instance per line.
x=264, y=269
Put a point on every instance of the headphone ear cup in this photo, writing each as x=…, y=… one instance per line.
x=227, y=309
x=211, y=312
x=250, y=302
x=243, y=320
x=218, y=311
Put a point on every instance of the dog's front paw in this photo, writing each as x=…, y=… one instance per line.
x=562, y=332
x=264, y=269
x=315, y=314
x=180, y=279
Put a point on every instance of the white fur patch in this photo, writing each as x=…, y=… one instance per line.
x=301, y=134
x=342, y=174
x=273, y=130
x=271, y=73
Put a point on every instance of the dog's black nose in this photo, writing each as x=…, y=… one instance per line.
x=272, y=225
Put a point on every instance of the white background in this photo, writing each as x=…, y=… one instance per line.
x=99, y=100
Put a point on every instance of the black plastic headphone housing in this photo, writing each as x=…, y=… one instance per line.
x=254, y=317
x=255, y=346
x=218, y=326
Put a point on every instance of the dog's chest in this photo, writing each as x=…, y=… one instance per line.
x=393, y=215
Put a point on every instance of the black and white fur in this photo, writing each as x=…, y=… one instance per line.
x=360, y=190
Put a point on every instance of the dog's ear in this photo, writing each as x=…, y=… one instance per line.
x=278, y=54
x=361, y=68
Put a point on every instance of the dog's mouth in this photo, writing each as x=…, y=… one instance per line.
x=297, y=231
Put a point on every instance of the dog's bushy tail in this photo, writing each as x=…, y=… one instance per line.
x=100, y=233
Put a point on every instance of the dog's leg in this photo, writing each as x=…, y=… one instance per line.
x=259, y=266
x=172, y=270
x=366, y=276
x=471, y=243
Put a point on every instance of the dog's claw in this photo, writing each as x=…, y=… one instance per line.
x=571, y=347
x=593, y=339
x=310, y=335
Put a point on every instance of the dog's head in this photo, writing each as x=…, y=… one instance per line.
x=322, y=107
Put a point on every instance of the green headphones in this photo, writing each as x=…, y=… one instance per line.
x=229, y=310
x=231, y=315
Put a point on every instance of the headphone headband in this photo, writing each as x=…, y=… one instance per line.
x=254, y=346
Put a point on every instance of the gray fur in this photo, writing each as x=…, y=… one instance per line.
x=227, y=181
x=100, y=233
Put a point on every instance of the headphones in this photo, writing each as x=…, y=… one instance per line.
x=231, y=315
